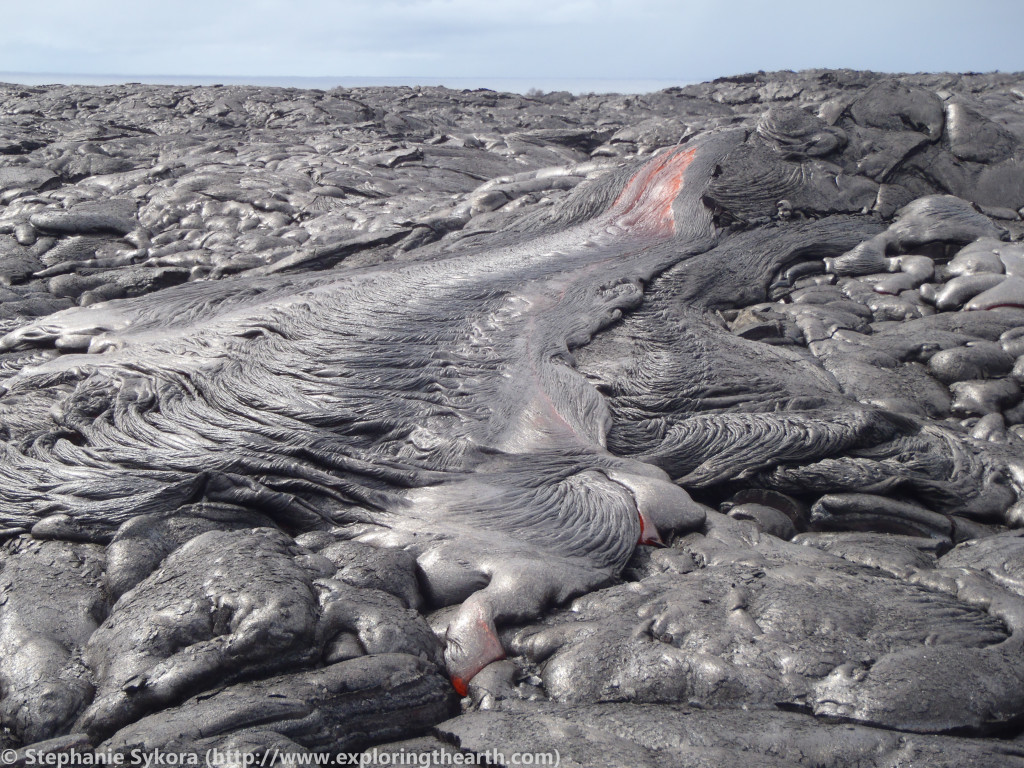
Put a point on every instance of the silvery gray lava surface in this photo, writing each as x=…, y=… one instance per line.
x=663, y=430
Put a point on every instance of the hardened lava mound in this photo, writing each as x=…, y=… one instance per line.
x=677, y=429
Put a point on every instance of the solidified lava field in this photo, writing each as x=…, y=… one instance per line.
x=682, y=429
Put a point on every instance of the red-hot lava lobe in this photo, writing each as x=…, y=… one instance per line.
x=644, y=206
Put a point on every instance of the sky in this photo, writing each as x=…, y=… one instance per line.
x=685, y=40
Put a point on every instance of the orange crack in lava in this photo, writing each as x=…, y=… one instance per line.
x=490, y=650
x=645, y=205
x=649, y=535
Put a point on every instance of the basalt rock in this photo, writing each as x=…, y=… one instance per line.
x=350, y=391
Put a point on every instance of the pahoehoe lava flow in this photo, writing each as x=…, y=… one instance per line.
x=269, y=477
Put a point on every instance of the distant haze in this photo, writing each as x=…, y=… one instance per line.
x=482, y=41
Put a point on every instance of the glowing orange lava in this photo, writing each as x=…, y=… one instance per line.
x=645, y=205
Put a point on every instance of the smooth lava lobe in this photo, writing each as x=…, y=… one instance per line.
x=562, y=415
x=642, y=210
